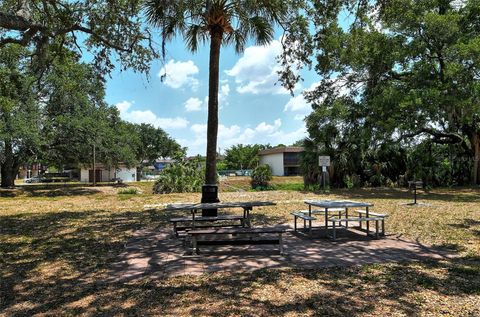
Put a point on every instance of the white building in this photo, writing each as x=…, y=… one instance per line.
x=284, y=161
x=108, y=174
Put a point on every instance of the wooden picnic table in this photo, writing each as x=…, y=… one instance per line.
x=195, y=207
x=330, y=204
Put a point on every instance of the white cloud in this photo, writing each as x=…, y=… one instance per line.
x=222, y=96
x=225, y=90
x=230, y=135
x=299, y=117
x=267, y=128
x=256, y=71
x=290, y=137
x=299, y=104
x=124, y=105
x=193, y=104
x=147, y=116
x=179, y=74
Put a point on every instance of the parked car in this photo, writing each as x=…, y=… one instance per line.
x=34, y=179
x=38, y=179
x=150, y=177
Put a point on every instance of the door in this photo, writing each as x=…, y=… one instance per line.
x=98, y=176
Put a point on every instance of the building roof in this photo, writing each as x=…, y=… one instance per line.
x=99, y=165
x=285, y=149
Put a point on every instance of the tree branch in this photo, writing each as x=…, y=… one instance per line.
x=438, y=137
x=17, y=23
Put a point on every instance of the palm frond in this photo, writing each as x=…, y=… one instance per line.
x=194, y=34
x=261, y=30
x=238, y=19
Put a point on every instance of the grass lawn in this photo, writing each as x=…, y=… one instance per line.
x=57, y=244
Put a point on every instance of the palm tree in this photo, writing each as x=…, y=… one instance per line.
x=227, y=22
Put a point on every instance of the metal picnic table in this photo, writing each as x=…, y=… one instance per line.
x=330, y=204
x=195, y=207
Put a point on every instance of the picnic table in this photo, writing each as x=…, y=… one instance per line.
x=193, y=208
x=336, y=204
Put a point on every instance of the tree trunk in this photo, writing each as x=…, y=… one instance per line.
x=212, y=124
x=9, y=168
x=475, y=141
x=210, y=189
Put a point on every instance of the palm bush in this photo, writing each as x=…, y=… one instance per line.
x=181, y=177
x=261, y=175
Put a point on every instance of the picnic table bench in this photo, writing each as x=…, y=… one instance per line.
x=359, y=219
x=307, y=215
x=189, y=221
x=193, y=208
x=362, y=213
x=236, y=236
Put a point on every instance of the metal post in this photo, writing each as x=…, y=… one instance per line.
x=323, y=179
x=310, y=216
x=415, y=193
x=367, y=215
x=326, y=221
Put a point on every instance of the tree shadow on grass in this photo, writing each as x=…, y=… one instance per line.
x=456, y=194
x=468, y=224
x=351, y=291
x=79, y=247
x=73, y=246
x=58, y=192
x=64, y=189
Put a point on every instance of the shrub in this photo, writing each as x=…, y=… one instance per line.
x=261, y=175
x=181, y=177
x=128, y=191
x=348, y=180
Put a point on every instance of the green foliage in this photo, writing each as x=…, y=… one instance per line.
x=154, y=143
x=289, y=186
x=181, y=177
x=60, y=117
x=112, y=34
x=261, y=176
x=221, y=165
x=79, y=119
x=196, y=20
x=20, y=113
x=438, y=165
x=401, y=73
x=348, y=180
x=243, y=156
x=128, y=191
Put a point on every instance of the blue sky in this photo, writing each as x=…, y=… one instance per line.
x=252, y=108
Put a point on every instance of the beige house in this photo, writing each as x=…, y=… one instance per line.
x=108, y=174
x=284, y=161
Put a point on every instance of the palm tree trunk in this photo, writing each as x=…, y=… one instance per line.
x=210, y=189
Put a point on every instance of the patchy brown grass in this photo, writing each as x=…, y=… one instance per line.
x=57, y=244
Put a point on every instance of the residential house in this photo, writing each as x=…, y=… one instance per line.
x=284, y=161
x=104, y=173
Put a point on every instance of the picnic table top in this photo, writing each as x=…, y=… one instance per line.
x=418, y=183
x=234, y=204
x=337, y=203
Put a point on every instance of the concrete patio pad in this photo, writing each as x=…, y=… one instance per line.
x=157, y=254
